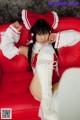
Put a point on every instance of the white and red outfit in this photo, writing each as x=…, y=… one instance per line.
x=36, y=49
x=8, y=40
x=67, y=38
x=44, y=55
x=30, y=18
x=64, y=38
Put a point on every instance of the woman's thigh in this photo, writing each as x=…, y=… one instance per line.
x=35, y=87
x=55, y=87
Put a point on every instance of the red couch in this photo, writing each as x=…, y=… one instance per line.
x=15, y=77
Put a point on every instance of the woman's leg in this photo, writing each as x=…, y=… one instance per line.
x=55, y=87
x=35, y=87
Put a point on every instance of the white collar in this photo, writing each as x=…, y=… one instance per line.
x=37, y=46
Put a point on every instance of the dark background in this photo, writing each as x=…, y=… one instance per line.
x=10, y=10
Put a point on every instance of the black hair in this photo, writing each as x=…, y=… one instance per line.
x=40, y=27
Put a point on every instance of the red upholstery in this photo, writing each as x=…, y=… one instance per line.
x=14, y=84
x=15, y=77
x=0, y=73
x=69, y=56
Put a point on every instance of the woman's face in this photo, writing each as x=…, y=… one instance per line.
x=42, y=38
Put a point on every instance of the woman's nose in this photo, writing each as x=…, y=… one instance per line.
x=43, y=37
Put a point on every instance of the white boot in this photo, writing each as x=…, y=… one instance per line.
x=45, y=76
x=45, y=69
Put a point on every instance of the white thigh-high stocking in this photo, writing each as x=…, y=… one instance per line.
x=44, y=68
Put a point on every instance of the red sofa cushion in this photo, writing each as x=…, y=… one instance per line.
x=15, y=83
x=66, y=23
x=17, y=64
x=13, y=92
x=24, y=106
x=70, y=56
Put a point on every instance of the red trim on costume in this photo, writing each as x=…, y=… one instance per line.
x=54, y=21
x=34, y=60
x=14, y=31
x=0, y=38
x=58, y=40
x=27, y=19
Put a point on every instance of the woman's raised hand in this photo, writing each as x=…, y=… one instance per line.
x=17, y=25
x=52, y=37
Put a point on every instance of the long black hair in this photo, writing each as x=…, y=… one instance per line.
x=40, y=27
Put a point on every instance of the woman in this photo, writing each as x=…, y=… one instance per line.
x=38, y=50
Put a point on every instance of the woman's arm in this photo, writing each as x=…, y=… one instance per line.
x=66, y=38
x=11, y=36
x=23, y=50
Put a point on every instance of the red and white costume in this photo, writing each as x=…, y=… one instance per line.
x=36, y=49
x=64, y=38
x=30, y=18
x=45, y=54
x=8, y=40
x=43, y=59
x=67, y=38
